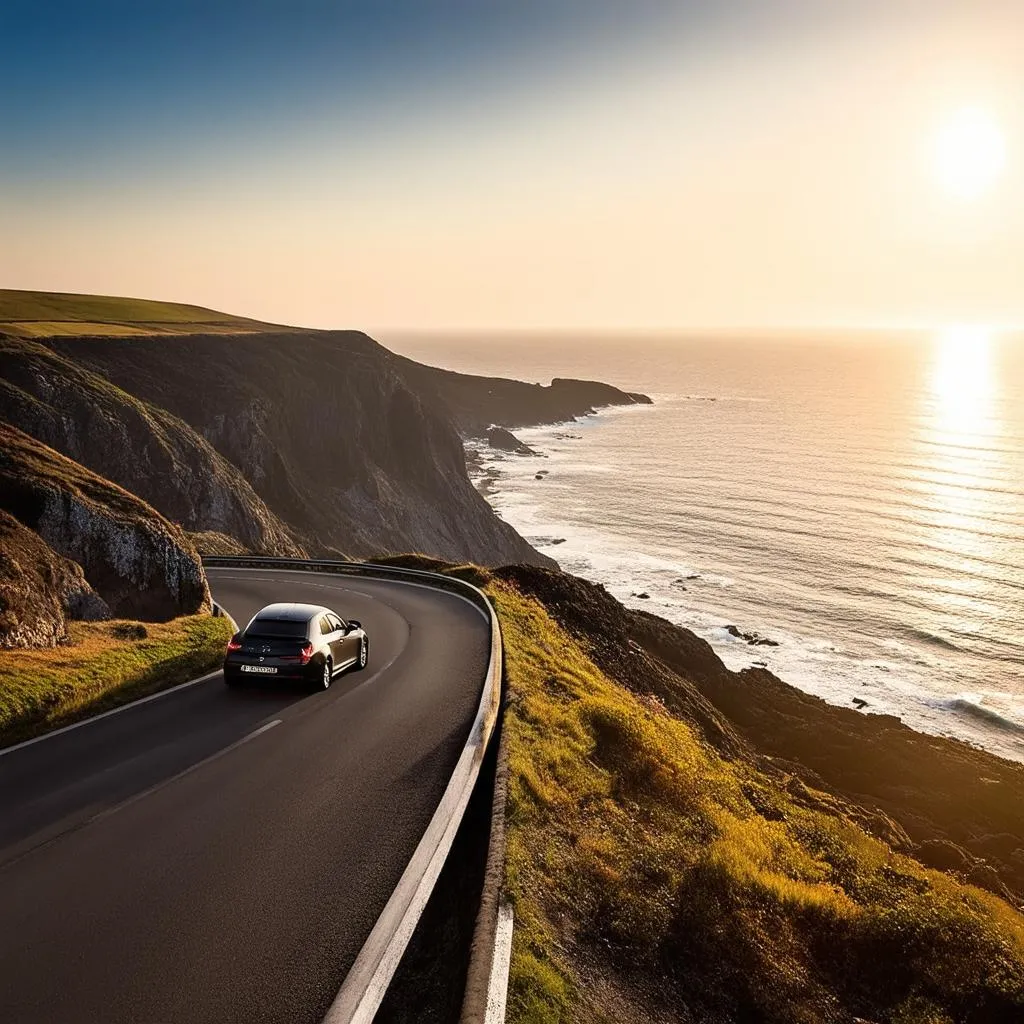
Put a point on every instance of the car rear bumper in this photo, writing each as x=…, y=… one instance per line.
x=310, y=673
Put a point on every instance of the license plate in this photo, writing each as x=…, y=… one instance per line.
x=266, y=669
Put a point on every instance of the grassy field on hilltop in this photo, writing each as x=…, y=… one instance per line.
x=655, y=880
x=106, y=663
x=31, y=314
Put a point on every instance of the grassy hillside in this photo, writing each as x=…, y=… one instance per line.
x=53, y=314
x=104, y=664
x=656, y=878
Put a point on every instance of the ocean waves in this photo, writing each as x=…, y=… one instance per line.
x=872, y=526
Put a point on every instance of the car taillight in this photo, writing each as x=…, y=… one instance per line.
x=305, y=654
x=234, y=645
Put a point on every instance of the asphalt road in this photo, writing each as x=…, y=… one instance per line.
x=216, y=855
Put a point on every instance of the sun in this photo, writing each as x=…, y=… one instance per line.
x=970, y=152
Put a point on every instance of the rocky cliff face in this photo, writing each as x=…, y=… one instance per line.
x=336, y=435
x=139, y=446
x=141, y=565
x=39, y=590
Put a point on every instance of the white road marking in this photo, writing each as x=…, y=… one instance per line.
x=501, y=958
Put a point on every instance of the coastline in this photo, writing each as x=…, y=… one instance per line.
x=815, y=665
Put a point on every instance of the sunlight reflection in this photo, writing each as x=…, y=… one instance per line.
x=960, y=444
x=962, y=383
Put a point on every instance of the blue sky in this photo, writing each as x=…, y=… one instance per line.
x=103, y=80
x=560, y=163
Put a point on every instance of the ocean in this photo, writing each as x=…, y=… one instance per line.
x=857, y=499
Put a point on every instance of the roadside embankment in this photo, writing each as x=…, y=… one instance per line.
x=663, y=868
x=103, y=664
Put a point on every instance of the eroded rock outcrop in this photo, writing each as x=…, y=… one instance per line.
x=141, y=565
x=39, y=589
x=504, y=440
x=137, y=445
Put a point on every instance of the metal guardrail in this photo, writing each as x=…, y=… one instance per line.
x=367, y=981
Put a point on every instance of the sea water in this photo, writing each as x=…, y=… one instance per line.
x=856, y=499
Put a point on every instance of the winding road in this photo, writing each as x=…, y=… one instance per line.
x=212, y=855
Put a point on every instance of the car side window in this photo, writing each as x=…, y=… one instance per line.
x=338, y=623
x=325, y=625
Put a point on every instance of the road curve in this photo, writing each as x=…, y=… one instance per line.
x=219, y=856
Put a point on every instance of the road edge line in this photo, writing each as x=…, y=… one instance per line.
x=219, y=612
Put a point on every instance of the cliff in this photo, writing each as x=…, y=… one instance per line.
x=479, y=402
x=139, y=446
x=331, y=431
x=141, y=565
x=269, y=439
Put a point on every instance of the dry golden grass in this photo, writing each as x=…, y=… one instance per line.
x=28, y=314
x=106, y=663
x=634, y=845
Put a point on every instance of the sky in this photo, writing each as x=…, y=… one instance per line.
x=406, y=164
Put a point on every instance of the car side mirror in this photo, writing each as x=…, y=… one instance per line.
x=354, y=624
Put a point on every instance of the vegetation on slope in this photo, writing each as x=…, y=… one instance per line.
x=30, y=314
x=654, y=878
x=105, y=664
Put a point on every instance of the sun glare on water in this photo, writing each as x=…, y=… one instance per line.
x=960, y=440
x=970, y=152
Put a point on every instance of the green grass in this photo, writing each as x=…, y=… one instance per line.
x=54, y=314
x=106, y=663
x=638, y=857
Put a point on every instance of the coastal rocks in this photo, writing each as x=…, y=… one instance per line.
x=138, y=563
x=504, y=440
x=754, y=639
x=39, y=590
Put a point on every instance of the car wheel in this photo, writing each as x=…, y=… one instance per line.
x=364, y=654
x=325, y=679
x=233, y=681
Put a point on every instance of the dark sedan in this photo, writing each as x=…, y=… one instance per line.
x=296, y=642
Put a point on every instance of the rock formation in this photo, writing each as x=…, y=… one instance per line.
x=39, y=589
x=139, y=564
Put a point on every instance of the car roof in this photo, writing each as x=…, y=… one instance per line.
x=294, y=612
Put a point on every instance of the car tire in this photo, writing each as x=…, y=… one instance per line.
x=233, y=681
x=324, y=681
x=364, y=654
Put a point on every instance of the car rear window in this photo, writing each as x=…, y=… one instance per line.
x=277, y=627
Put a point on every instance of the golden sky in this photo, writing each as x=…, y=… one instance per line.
x=761, y=172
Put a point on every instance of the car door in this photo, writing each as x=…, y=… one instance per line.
x=332, y=638
x=349, y=643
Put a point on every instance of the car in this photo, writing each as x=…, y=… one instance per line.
x=304, y=643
